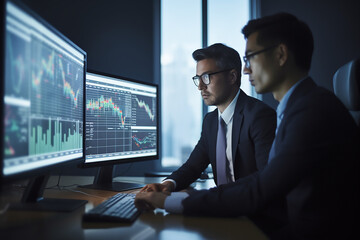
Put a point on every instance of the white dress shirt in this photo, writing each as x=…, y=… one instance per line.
x=228, y=116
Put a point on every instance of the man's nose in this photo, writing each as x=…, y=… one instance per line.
x=202, y=85
x=247, y=70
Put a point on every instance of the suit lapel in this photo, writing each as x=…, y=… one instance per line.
x=213, y=137
x=300, y=91
x=237, y=122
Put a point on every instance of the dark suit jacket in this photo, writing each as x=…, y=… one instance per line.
x=253, y=131
x=316, y=167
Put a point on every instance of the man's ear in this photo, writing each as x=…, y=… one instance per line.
x=233, y=76
x=282, y=54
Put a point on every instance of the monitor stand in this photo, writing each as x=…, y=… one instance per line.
x=32, y=199
x=104, y=181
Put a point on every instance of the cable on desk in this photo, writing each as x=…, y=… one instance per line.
x=57, y=185
x=91, y=195
x=2, y=211
x=66, y=187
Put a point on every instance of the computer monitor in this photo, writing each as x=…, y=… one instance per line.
x=121, y=125
x=42, y=103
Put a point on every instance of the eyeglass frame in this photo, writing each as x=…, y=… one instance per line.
x=201, y=77
x=247, y=58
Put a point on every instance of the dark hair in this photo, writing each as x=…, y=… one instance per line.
x=224, y=56
x=287, y=29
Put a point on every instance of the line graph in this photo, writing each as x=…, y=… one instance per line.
x=143, y=104
x=143, y=110
x=67, y=89
x=55, y=90
x=144, y=139
x=46, y=70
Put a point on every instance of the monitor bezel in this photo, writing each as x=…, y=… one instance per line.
x=46, y=169
x=126, y=160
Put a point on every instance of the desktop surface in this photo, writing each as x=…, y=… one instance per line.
x=150, y=225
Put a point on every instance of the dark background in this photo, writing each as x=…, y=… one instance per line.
x=122, y=37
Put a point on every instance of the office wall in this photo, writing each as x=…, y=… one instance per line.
x=336, y=29
x=118, y=36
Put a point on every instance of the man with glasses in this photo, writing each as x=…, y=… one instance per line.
x=314, y=159
x=248, y=124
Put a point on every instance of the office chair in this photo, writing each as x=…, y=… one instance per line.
x=346, y=82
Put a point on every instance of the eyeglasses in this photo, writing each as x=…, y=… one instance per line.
x=205, y=78
x=249, y=56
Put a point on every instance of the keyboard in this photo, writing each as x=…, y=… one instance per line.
x=118, y=208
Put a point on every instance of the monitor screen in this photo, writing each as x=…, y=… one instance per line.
x=43, y=75
x=121, y=120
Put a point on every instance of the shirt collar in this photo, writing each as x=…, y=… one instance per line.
x=282, y=104
x=228, y=113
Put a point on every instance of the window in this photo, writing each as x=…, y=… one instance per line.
x=181, y=34
x=225, y=22
x=181, y=103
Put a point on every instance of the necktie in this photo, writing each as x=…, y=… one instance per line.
x=221, y=160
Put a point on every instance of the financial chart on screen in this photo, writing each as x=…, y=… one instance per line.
x=121, y=118
x=43, y=95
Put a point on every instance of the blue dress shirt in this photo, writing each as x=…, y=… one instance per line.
x=280, y=114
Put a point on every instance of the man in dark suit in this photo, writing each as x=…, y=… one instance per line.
x=250, y=123
x=314, y=159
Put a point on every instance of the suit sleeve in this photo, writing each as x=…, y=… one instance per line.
x=305, y=145
x=195, y=165
x=262, y=133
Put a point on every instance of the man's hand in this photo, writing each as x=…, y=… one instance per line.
x=166, y=186
x=150, y=200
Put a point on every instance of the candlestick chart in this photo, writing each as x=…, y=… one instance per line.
x=107, y=119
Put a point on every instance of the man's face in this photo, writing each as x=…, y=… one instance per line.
x=218, y=91
x=263, y=71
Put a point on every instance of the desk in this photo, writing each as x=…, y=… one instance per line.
x=150, y=225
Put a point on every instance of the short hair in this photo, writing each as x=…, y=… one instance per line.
x=225, y=57
x=287, y=29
